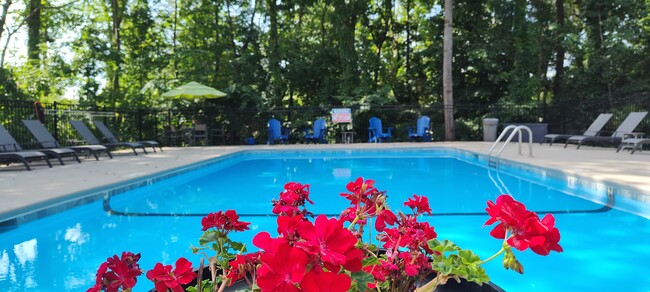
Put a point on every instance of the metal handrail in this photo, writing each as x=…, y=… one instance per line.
x=516, y=130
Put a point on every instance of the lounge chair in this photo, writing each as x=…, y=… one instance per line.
x=626, y=128
x=277, y=132
x=10, y=144
x=47, y=141
x=592, y=131
x=112, y=139
x=26, y=157
x=421, y=130
x=90, y=138
x=319, y=133
x=376, y=131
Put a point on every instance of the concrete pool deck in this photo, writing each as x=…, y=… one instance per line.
x=23, y=192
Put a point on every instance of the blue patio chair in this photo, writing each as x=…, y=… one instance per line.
x=376, y=131
x=277, y=132
x=319, y=133
x=421, y=130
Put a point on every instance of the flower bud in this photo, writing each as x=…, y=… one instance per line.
x=518, y=267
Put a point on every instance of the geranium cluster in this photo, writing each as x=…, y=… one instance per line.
x=521, y=229
x=306, y=256
x=366, y=202
x=167, y=277
x=407, y=251
x=117, y=272
x=324, y=255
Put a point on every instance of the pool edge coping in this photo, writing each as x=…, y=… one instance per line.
x=53, y=206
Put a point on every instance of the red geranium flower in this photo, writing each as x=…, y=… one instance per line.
x=288, y=225
x=224, y=221
x=121, y=275
x=419, y=204
x=510, y=213
x=384, y=217
x=282, y=269
x=325, y=282
x=360, y=190
x=241, y=265
x=527, y=230
x=331, y=241
x=165, y=278
x=294, y=196
x=540, y=235
x=99, y=278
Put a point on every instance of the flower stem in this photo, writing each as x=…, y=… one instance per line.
x=356, y=218
x=493, y=256
x=502, y=250
x=429, y=286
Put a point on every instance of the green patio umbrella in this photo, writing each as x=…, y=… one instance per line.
x=193, y=90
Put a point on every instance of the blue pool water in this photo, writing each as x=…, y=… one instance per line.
x=605, y=249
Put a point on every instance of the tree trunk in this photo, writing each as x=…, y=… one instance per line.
x=116, y=18
x=559, y=49
x=407, y=67
x=34, y=29
x=217, y=50
x=447, y=83
x=274, y=52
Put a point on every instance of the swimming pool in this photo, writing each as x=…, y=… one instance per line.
x=161, y=220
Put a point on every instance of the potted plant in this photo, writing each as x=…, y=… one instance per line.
x=330, y=254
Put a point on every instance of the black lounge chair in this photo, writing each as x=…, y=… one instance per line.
x=26, y=157
x=592, y=131
x=90, y=138
x=625, y=129
x=9, y=145
x=47, y=141
x=112, y=139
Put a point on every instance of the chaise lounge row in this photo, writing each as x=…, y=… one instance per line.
x=11, y=151
x=624, y=136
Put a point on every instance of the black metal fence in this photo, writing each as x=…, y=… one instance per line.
x=237, y=124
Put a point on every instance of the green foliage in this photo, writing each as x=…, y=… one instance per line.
x=206, y=286
x=361, y=281
x=450, y=260
x=331, y=53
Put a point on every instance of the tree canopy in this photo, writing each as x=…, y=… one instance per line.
x=312, y=52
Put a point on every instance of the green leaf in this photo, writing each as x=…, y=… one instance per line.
x=361, y=280
x=477, y=274
x=206, y=286
x=443, y=246
x=468, y=256
x=370, y=261
x=208, y=236
x=237, y=246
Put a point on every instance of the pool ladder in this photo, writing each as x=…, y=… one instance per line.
x=493, y=161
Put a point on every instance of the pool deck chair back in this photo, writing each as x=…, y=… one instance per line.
x=592, y=131
x=90, y=138
x=625, y=129
x=46, y=140
x=113, y=139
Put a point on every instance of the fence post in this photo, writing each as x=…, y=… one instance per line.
x=155, y=123
x=140, y=123
x=56, y=121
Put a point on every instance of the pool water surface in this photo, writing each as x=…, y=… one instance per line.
x=601, y=243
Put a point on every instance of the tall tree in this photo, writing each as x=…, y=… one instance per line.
x=34, y=29
x=116, y=11
x=559, y=47
x=447, y=82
